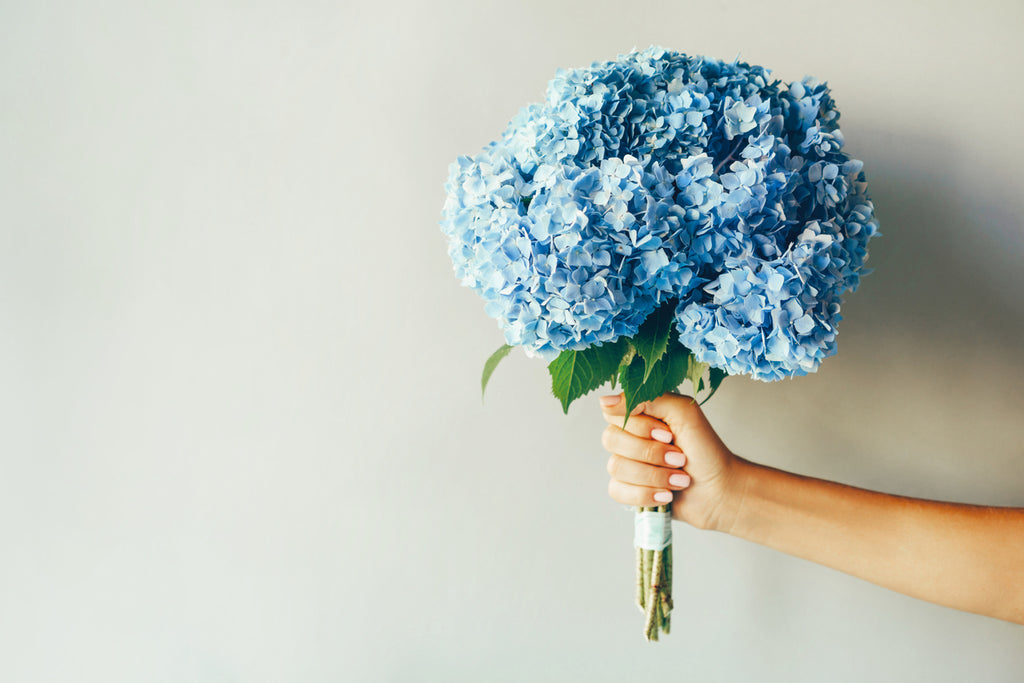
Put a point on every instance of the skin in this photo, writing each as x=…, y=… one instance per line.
x=967, y=557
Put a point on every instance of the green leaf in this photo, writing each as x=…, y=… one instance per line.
x=651, y=340
x=668, y=373
x=716, y=376
x=575, y=373
x=627, y=358
x=490, y=365
x=695, y=373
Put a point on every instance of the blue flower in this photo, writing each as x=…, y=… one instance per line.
x=661, y=176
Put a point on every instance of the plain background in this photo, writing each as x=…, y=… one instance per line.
x=241, y=435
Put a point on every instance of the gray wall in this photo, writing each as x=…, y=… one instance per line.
x=241, y=437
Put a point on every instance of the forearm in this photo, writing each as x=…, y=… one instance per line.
x=963, y=556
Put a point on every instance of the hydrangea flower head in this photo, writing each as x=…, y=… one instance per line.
x=660, y=176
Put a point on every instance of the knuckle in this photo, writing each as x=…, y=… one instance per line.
x=606, y=438
x=647, y=475
x=653, y=452
x=613, y=465
x=640, y=425
x=687, y=405
x=658, y=478
x=678, y=401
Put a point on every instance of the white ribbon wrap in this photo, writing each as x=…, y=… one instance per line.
x=652, y=530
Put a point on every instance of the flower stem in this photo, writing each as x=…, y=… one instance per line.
x=654, y=596
x=726, y=160
x=640, y=591
x=642, y=578
x=666, y=591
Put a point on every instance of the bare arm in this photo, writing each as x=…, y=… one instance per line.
x=963, y=556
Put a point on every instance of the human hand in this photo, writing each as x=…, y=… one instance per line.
x=668, y=452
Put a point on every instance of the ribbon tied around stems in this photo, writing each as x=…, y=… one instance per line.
x=652, y=530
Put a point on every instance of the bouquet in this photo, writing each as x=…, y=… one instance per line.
x=661, y=218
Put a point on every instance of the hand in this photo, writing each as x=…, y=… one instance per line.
x=668, y=452
x=963, y=556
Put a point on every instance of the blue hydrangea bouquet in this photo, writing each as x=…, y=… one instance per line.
x=661, y=218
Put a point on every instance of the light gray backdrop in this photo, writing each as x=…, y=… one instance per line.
x=241, y=437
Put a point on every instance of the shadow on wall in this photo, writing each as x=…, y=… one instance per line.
x=943, y=319
x=948, y=263
x=925, y=395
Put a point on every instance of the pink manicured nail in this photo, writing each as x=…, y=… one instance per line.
x=663, y=496
x=609, y=400
x=661, y=435
x=675, y=459
x=679, y=480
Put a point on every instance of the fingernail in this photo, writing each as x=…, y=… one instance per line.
x=661, y=435
x=663, y=496
x=682, y=480
x=609, y=400
x=675, y=459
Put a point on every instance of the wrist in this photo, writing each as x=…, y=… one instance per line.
x=737, y=481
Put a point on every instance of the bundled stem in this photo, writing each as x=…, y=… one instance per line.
x=654, y=586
